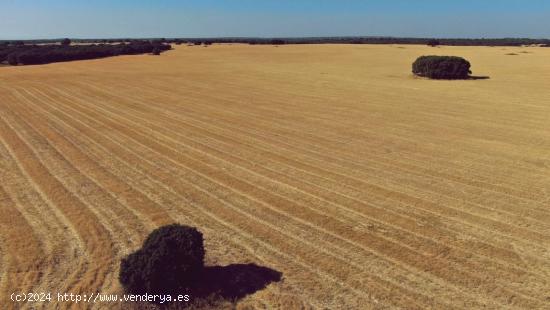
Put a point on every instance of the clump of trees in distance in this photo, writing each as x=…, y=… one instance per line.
x=442, y=67
x=169, y=262
x=433, y=43
x=278, y=42
x=24, y=54
x=197, y=43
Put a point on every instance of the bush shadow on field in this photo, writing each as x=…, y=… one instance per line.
x=234, y=282
x=220, y=287
x=478, y=77
x=469, y=78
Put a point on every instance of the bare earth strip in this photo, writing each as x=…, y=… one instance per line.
x=366, y=187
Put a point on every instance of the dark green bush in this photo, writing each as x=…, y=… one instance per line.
x=170, y=261
x=66, y=42
x=442, y=67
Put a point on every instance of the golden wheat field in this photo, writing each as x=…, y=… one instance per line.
x=366, y=187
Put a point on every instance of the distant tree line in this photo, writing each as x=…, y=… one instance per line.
x=434, y=43
x=308, y=40
x=19, y=53
x=369, y=40
x=311, y=40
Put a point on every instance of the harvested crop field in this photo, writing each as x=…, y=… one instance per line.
x=365, y=186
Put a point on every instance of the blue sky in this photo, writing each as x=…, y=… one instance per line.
x=26, y=19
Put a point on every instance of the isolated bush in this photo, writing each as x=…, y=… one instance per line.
x=442, y=67
x=65, y=42
x=170, y=261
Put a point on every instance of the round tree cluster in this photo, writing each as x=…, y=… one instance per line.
x=442, y=67
x=170, y=261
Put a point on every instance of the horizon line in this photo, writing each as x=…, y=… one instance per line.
x=276, y=37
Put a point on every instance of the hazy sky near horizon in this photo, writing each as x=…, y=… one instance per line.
x=32, y=19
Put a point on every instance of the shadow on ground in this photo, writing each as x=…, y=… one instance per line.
x=234, y=282
x=218, y=287
x=478, y=77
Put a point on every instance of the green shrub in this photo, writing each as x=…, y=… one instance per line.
x=170, y=261
x=442, y=67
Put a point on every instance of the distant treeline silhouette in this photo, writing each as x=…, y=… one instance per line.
x=309, y=40
x=321, y=40
x=372, y=40
x=23, y=53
